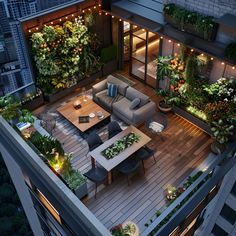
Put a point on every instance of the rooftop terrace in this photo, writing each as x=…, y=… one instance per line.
x=180, y=149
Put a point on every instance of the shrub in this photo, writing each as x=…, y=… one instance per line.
x=109, y=53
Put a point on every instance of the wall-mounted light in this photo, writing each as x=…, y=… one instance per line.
x=233, y=68
x=169, y=41
x=60, y=19
x=66, y=17
x=222, y=63
x=29, y=31
x=212, y=58
x=178, y=44
x=191, y=50
x=37, y=28
x=202, y=54
x=51, y=22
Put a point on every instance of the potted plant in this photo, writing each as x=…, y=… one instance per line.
x=222, y=131
x=32, y=100
x=109, y=59
x=128, y=228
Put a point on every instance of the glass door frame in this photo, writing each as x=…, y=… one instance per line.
x=132, y=27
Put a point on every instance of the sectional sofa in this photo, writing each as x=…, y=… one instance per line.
x=123, y=105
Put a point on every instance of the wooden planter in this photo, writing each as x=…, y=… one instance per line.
x=192, y=119
x=60, y=94
x=81, y=191
x=109, y=67
x=35, y=103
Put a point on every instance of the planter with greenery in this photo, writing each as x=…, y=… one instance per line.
x=191, y=22
x=120, y=145
x=11, y=110
x=33, y=100
x=222, y=131
x=109, y=59
x=64, y=55
x=53, y=154
x=230, y=52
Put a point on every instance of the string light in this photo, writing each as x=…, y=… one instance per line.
x=212, y=58
x=99, y=5
x=100, y=13
x=60, y=19
x=120, y=19
x=178, y=44
x=161, y=37
x=202, y=54
x=222, y=63
x=106, y=14
x=66, y=17
x=94, y=7
x=37, y=28
x=29, y=31
x=191, y=50
x=51, y=22
x=233, y=68
x=72, y=15
x=89, y=9
x=83, y=11
x=112, y=16
x=169, y=41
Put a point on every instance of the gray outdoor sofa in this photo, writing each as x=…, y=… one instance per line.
x=120, y=105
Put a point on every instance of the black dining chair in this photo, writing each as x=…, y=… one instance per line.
x=97, y=175
x=145, y=153
x=93, y=141
x=127, y=167
x=113, y=129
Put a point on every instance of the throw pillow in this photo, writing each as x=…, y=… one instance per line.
x=112, y=90
x=135, y=103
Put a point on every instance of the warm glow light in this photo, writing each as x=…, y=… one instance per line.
x=222, y=63
x=233, y=67
x=60, y=19
x=29, y=31
x=212, y=58
x=66, y=17
x=94, y=7
x=178, y=44
x=83, y=11
x=100, y=13
x=89, y=9
x=106, y=14
x=169, y=41
x=99, y=5
x=112, y=16
x=37, y=28
x=120, y=19
x=51, y=23
x=72, y=15
x=135, y=26
x=202, y=54
x=161, y=37
x=191, y=50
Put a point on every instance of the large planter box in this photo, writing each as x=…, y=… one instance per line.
x=35, y=103
x=84, y=82
x=189, y=28
x=81, y=191
x=192, y=119
x=109, y=67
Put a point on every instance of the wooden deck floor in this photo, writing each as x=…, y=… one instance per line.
x=179, y=150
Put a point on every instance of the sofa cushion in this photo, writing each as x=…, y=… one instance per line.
x=112, y=90
x=135, y=103
x=132, y=93
x=123, y=107
x=105, y=100
x=122, y=85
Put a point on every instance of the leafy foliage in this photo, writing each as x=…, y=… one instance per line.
x=64, y=54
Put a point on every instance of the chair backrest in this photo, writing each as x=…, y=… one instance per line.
x=113, y=127
x=93, y=141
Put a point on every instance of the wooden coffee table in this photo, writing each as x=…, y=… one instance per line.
x=87, y=107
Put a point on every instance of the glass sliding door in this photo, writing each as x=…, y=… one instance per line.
x=138, y=56
x=152, y=53
x=144, y=46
